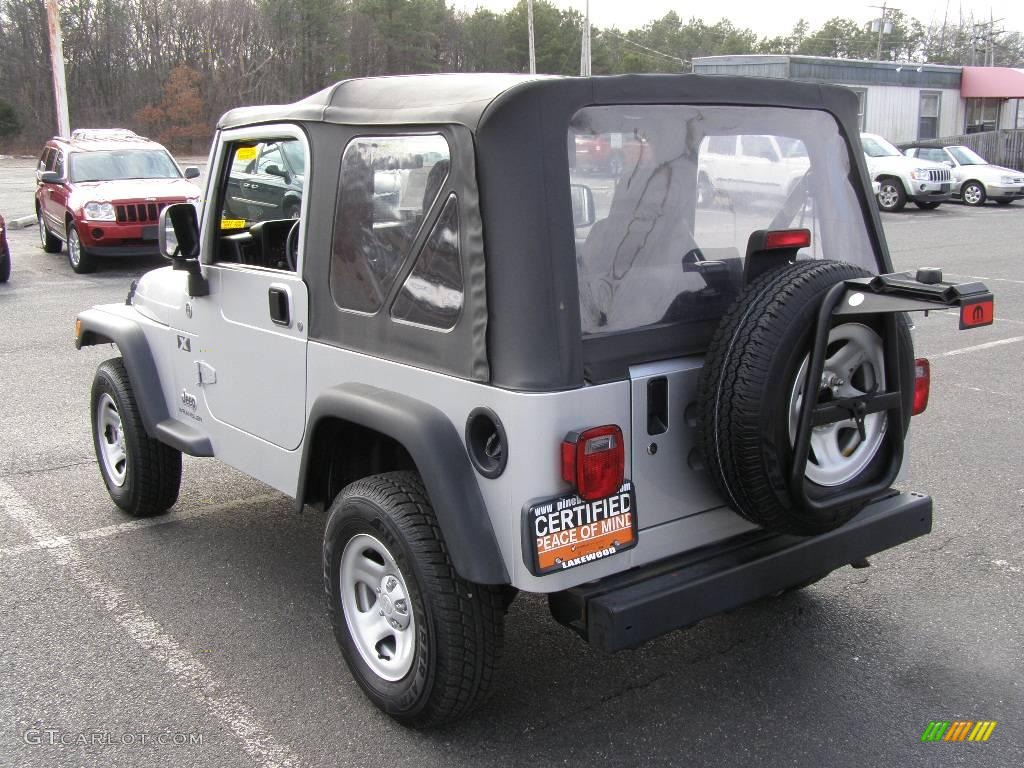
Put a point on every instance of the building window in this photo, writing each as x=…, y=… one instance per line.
x=982, y=115
x=928, y=115
x=862, y=101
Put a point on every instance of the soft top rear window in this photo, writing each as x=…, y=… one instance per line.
x=663, y=242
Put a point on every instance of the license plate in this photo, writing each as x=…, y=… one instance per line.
x=149, y=233
x=944, y=188
x=566, y=532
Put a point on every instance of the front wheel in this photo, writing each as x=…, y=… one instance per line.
x=973, y=193
x=927, y=205
x=1003, y=202
x=891, y=196
x=421, y=642
x=81, y=260
x=5, y=266
x=142, y=475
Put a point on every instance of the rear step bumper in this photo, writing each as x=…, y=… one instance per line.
x=628, y=609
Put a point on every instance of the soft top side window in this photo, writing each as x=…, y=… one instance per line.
x=388, y=184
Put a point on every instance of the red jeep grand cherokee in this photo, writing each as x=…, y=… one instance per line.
x=101, y=192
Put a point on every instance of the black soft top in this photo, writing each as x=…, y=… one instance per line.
x=515, y=170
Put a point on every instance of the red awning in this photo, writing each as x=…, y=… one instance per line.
x=992, y=83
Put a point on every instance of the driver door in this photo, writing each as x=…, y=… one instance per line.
x=247, y=356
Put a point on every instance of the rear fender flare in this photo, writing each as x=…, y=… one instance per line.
x=435, y=446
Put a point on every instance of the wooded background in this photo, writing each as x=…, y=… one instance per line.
x=169, y=68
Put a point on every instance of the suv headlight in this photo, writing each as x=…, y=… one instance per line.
x=920, y=174
x=99, y=211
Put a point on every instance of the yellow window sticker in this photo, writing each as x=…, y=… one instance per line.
x=246, y=153
x=232, y=223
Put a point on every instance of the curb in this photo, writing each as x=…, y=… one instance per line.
x=22, y=222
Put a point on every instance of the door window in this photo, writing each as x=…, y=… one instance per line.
x=260, y=204
x=758, y=146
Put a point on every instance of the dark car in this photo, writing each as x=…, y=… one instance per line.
x=265, y=181
x=5, y=253
x=101, y=193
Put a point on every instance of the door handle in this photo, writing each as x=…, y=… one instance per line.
x=280, y=311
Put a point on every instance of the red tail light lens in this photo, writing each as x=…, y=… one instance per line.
x=594, y=461
x=787, y=238
x=922, y=384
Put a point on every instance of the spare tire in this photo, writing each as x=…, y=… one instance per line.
x=751, y=395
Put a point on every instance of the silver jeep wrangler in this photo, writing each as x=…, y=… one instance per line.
x=419, y=304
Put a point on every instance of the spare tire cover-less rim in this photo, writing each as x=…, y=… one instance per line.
x=749, y=386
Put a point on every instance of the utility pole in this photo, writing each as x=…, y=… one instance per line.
x=60, y=88
x=529, y=25
x=585, y=47
x=883, y=26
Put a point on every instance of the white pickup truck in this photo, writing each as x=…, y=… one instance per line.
x=903, y=178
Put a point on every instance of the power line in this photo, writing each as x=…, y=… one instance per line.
x=669, y=56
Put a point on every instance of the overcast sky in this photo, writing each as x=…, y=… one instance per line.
x=774, y=17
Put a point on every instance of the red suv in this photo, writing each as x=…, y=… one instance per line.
x=101, y=192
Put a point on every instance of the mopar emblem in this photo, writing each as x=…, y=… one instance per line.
x=185, y=343
x=189, y=401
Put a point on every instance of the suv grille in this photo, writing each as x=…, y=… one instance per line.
x=139, y=211
x=936, y=174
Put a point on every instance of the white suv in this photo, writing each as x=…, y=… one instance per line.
x=903, y=178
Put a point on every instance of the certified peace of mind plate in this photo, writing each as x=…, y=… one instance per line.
x=566, y=532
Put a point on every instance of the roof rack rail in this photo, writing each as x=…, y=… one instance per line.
x=105, y=134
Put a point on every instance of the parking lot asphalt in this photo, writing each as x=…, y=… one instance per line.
x=202, y=638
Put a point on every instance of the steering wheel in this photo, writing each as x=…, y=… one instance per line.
x=291, y=246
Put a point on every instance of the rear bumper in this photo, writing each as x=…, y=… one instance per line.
x=628, y=609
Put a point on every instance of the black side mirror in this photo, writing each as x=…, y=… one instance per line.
x=191, y=172
x=178, y=238
x=50, y=177
x=584, y=212
x=274, y=170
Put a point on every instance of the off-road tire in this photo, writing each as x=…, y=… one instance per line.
x=48, y=242
x=973, y=193
x=153, y=470
x=86, y=261
x=459, y=626
x=745, y=389
x=891, y=195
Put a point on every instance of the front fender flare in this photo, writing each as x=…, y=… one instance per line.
x=435, y=446
x=95, y=326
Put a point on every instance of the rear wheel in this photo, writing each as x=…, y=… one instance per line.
x=891, y=195
x=5, y=266
x=421, y=642
x=753, y=390
x=49, y=243
x=81, y=260
x=973, y=193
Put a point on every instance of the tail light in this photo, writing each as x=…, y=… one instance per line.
x=594, y=461
x=787, y=238
x=922, y=384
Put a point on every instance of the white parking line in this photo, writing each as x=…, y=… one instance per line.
x=134, y=525
x=978, y=347
x=186, y=671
